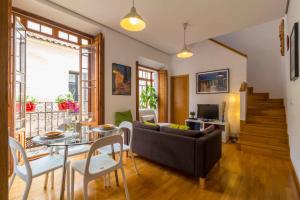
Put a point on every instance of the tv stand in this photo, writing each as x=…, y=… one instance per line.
x=201, y=124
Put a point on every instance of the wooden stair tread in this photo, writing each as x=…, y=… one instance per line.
x=266, y=152
x=268, y=146
x=282, y=136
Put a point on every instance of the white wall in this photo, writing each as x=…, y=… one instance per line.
x=48, y=67
x=293, y=94
x=261, y=44
x=123, y=50
x=211, y=56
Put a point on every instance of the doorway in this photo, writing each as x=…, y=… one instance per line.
x=179, y=99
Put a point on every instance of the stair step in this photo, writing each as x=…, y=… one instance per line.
x=263, y=130
x=267, y=152
x=266, y=146
x=266, y=119
x=267, y=111
x=283, y=142
x=258, y=134
x=256, y=97
x=264, y=104
x=267, y=123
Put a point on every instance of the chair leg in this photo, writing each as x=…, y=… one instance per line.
x=52, y=179
x=72, y=183
x=27, y=188
x=132, y=157
x=68, y=182
x=125, y=184
x=11, y=180
x=46, y=181
x=85, y=190
x=108, y=176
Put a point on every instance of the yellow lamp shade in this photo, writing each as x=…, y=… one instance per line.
x=185, y=53
x=133, y=21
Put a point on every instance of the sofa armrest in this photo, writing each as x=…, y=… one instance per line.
x=208, y=152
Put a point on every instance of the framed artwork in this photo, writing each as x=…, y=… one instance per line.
x=121, y=79
x=212, y=82
x=294, y=53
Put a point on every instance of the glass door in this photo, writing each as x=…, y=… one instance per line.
x=19, y=76
x=88, y=77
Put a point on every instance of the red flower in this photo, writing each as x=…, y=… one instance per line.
x=30, y=106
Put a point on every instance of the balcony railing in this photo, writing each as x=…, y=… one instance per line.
x=45, y=117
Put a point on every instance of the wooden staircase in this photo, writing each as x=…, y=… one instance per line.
x=265, y=129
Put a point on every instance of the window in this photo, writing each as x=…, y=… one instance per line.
x=34, y=26
x=73, y=38
x=84, y=42
x=63, y=35
x=146, y=77
x=73, y=84
x=46, y=30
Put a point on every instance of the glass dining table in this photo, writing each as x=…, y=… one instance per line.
x=82, y=136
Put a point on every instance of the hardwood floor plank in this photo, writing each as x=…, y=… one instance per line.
x=240, y=176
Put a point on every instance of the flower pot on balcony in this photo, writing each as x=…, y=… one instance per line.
x=30, y=107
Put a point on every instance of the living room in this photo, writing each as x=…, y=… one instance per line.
x=204, y=95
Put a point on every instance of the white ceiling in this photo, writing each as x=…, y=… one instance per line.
x=164, y=18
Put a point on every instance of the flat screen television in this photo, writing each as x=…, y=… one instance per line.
x=208, y=111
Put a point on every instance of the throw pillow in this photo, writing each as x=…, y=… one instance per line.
x=123, y=116
x=142, y=125
x=150, y=123
x=180, y=127
x=209, y=129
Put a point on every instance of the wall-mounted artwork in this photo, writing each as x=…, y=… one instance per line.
x=121, y=79
x=294, y=53
x=212, y=82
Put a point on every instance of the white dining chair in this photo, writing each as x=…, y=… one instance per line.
x=72, y=151
x=33, y=169
x=126, y=148
x=98, y=166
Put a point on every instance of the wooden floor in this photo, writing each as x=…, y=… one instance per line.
x=240, y=176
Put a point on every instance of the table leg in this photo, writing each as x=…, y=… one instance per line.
x=114, y=157
x=63, y=181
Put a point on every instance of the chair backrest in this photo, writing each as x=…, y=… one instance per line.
x=102, y=142
x=128, y=126
x=16, y=148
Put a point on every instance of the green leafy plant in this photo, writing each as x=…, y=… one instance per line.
x=64, y=98
x=148, y=98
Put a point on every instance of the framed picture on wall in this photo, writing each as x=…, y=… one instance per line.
x=212, y=82
x=294, y=53
x=121, y=79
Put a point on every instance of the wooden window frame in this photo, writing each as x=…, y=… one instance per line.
x=56, y=27
x=144, y=68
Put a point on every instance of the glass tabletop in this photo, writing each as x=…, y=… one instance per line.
x=87, y=135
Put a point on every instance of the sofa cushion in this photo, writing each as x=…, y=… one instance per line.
x=138, y=124
x=123, y=116
x=187, y=133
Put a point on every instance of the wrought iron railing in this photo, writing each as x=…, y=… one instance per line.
x=45, y=117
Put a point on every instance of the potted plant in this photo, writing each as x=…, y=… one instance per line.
x=148, y=98
x=30, y=104
x=66, y=102
x=192, y=114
